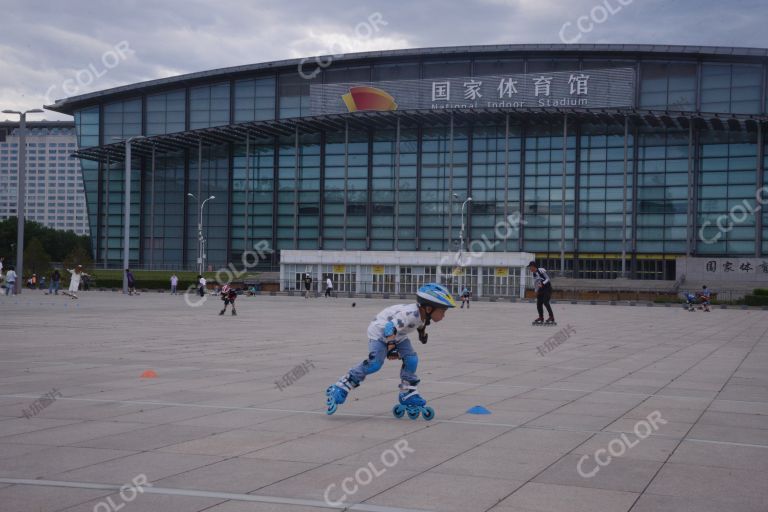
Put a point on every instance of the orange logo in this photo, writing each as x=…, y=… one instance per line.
x=368, y=98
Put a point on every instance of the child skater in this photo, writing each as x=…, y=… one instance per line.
x=388, y=338
x=228, y=295
x=466, y=294
x=705, y=297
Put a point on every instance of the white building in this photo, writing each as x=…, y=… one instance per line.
x=494, y=274
x=54, y=190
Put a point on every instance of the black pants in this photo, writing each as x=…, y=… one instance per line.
x=542, y=299
x=328, y=292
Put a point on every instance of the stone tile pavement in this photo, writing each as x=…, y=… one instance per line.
x=569, y=431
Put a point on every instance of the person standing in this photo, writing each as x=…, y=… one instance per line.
x=307, y=285
x=10, y=282
x=328, y=287
x=53, y=287
x=201, y=283
x=131, y=282
x=174, y=284
x=543, y=286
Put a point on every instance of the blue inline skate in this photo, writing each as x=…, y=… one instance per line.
x=337, y=393
x=412, y=403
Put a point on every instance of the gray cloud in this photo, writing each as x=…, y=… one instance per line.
x=45, y=43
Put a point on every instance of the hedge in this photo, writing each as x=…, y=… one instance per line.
x=760, y=291
x=151, y=284
x=756, y=300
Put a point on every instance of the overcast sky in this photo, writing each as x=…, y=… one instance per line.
x=50, y=50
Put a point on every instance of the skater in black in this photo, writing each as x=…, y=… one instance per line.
x=307, y=285
x=228, y=295
x=543, y=287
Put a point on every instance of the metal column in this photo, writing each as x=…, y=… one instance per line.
x=397, y=185
x=152, y=214
x=506, y=171
x=245, y=188
x=198, y=212
x=760, y=189
x=127, y=215
x=296, y=191
x=689, y=212
x=450, y=187
x=624, y=202
x=562, y=221
x=346, y=179
x=106, y=216
x=21, y=203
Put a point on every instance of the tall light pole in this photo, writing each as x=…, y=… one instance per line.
x=461, y=236
x=200, y=247
x=21, y=191
x=127, y=210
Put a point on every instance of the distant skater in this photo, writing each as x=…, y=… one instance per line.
x=328, y=287
x=466, y=294
x=543, y=286
x=228, y=295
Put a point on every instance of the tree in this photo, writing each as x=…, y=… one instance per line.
x=58, y=244
x=78, y=256
x=36, y=260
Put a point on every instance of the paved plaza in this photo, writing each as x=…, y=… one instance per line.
x=618, y=408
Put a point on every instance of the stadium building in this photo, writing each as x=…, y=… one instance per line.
x=604, y=158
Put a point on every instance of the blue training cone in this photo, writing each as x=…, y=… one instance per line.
x=478, y=409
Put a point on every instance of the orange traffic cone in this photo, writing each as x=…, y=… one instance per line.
x=148, y=374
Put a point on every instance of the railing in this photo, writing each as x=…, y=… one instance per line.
x=558, y=295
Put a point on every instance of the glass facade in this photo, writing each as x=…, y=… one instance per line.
x=400, y=186
x=166, y=112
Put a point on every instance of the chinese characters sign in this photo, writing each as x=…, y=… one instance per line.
x=711, y=270
x=603, y=88
x=743, y=266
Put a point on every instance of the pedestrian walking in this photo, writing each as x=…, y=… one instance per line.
x=53, y=287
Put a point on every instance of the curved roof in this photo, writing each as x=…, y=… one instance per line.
x=68, y=105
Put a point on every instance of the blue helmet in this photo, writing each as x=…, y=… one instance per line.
x=434, y=295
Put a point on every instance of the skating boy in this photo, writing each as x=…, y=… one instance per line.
x=307, y=285
x=543, y=286
x=705, y=296
x=466, y=294
x=388, y=338
x=228, y=295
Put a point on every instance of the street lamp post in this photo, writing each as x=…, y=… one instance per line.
x=127, y=210
x=461, y=235
x=21, y=189
x=200, y=241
